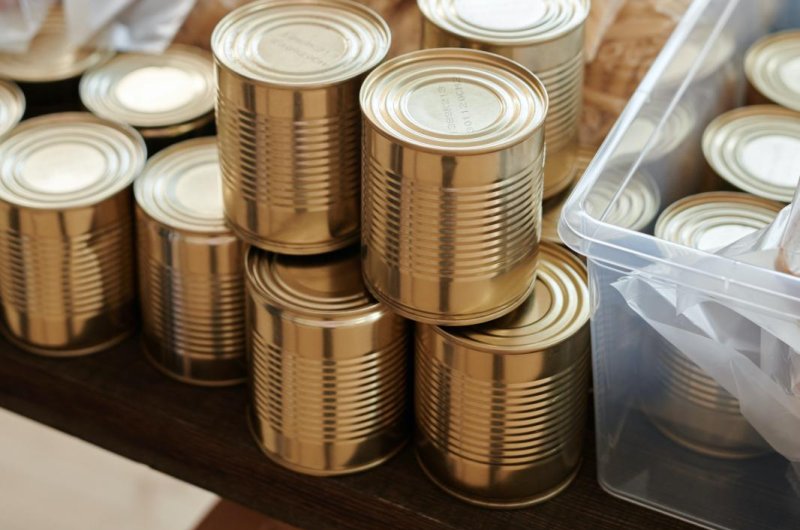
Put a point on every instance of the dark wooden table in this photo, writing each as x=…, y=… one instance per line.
x=118, y=401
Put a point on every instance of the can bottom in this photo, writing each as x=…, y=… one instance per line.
x=699, y=447
x=65, y=352
x=295, y=249
x=313, y=471
x=498, y=504
x=439, y=320
x=185, y=379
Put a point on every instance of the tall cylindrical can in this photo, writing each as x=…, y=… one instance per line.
x=12, y=106
x=167, y=97
x=501, y=408
x=684, y=402
x=288, y=75
x=328, y=364
x=191, y=279
x=453, y=162
x=546, y=37
x=66, y=233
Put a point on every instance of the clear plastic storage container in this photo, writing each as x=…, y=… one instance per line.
x=642, y=455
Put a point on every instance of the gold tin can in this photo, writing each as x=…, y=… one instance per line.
x=328, y=364
x=49, y=70
x=772, y=67
x=546, y=37
x=689, y=406
x=452, y=188
x=289, y=74
x=191, y=279
x=501, y=408
x=166, y=97
x=757, y=150
x=12, y=106
x=66, y=233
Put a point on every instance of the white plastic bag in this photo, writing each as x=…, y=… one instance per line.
x=20, y=21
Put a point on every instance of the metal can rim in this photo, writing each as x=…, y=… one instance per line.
x=758, y=67
x=134, y=153
x=427, y=7
x=231, y=19
x=12, y=106
x=460, y=56
x=99, y=84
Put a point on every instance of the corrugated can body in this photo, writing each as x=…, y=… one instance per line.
x=191, y=279
x=288, y=76
x=546, y=38
x=501, y=407
x=328, y=364
x=66, y=250
x=452, y=182
x=684, y=402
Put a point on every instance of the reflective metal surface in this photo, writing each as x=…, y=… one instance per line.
x=756, y=149
x=66, y=250
x=453, y=163
x=191, y=279
x=12, y=106
x=686, y=404
x=772, y=66
x=50, y=57
x=328, y=364
x=501, y=407
x=288, y=75
x=546, y=37
x=163, y=95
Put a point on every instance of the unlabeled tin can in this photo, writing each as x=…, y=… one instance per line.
x=289, y=74
x=12, y=106
x=452, y=187
x=66, y=228
x=167, y=97
x=191, y=278
x=772, y=67
x=685, y=403
x=756, y=149
x=49, y=70
x=547, y=37
x=501, y=408
x=328, y=364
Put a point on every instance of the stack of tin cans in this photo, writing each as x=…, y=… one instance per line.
x=248, y=257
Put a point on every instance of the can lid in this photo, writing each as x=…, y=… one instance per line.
x=12, y=105
x=454, y=100
x=710, y=221
x=50, y=57
x=68, y=160
x=506, y=22
x=634, y=207
x=181, y=187
x=147, y=90
x=301, y=43
x=757, y=149
x=772, y=66
x=669, y=134
x=325, y=286
x=556, y=310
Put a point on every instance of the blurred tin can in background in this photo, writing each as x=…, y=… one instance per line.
x=12, y=106
x=452, y=186
x=49, y=71
x=328, y=364
x=191, y=276
x=501, y=407
x=772, y=67
x=167, y=97
x=546, y=37
x=688, y=405
x=288, y=75
x=66, y=233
